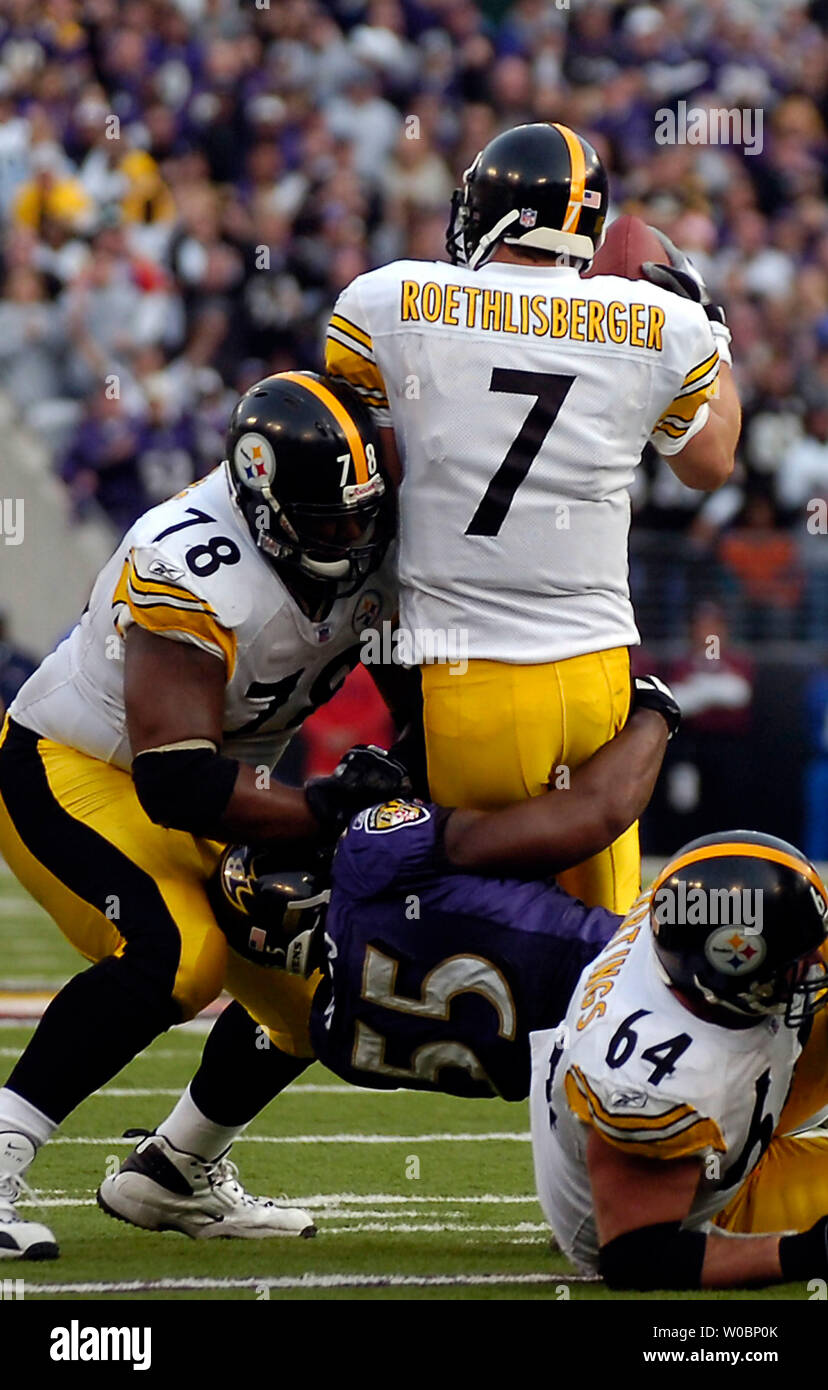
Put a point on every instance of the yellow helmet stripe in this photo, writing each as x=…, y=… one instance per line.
x=741, y=850
x=340, y=414
x=577, y=177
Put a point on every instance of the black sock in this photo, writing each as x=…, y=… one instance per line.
x=99, y=1022
x=241, y=1071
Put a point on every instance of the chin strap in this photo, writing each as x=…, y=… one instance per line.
x=487, y=242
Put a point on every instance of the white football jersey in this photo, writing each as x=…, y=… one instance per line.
x=655, y=1081
x=521, y=398
x=190, y=570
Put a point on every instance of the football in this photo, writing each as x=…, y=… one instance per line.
x=628, y=243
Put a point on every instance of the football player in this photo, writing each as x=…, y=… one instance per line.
x=515, y=400
x=145, y=742
x=435, y=969
x=664, y=1101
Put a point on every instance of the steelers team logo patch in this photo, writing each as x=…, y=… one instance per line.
x=255, y=461
x=394, y=814
x=368, y=609
x=734, y=951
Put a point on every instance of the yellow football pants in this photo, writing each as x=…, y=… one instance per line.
x=76, y=836
x=500, y=733
x=788, y=1188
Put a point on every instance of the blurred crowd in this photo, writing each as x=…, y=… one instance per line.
x=186, y=185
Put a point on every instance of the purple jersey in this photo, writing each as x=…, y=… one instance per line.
x=435, y=979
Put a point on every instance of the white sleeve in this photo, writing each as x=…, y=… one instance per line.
x=688, y=412
x=349, y=352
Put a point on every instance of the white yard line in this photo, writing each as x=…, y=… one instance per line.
x=358, y=1224
x=339, y=1203
x=435, y=1228
x=310, y=1281
x=495, y=1137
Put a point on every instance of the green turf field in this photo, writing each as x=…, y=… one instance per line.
x=416, y=1196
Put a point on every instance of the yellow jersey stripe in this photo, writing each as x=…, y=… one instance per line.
x=199, y=625
x=701, y=369
x=684, y=408
x=650, y=1122
x=697, y=1136
x=148, y=587
x=354, y=369
x=336, y=335
x=340, y=414
x=352, y=330
x=672, y=430
x=577, y=177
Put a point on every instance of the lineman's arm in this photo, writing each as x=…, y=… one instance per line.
x=632, y=1196
x=174, y=695
x=551, y=832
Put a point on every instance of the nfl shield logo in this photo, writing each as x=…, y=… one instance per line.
x=528, y=217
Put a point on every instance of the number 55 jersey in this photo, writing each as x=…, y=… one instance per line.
x=189, y=570
x=654, y=1081
x=434, y=979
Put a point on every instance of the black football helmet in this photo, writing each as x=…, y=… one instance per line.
x=269, y=913
x=774, y=966
x=303, y=464
x=540, y=186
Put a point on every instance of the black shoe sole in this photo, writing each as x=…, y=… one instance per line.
x=41, y=1250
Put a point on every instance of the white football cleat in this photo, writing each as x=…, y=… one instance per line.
x=20, y=1239
x=160, y=1188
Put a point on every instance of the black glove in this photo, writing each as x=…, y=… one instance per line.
x=805, y=1256
x=682, y=278
x=651, y=693
x=365, y=776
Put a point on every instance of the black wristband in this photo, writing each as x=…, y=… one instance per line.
x=805, y=1256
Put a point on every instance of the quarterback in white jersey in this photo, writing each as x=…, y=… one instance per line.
x=519, y=398
x=145, y=743
x=663, y=1102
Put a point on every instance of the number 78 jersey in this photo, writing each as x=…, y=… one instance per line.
x=654, y=1081
x=190, y=571
x=521, y=399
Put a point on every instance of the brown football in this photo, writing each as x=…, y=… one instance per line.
x=628, y=243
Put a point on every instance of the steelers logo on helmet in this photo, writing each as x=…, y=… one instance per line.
x=254, y=460
x=735, y=951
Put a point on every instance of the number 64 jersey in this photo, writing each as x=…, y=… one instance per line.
x=189, y=570
x=632, y=1063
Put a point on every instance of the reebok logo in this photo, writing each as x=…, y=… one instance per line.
x=76, y=1343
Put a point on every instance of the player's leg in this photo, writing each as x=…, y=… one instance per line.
x=130, y=897
x=499, y=733
x=787, y=1190
x=178, y=1178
